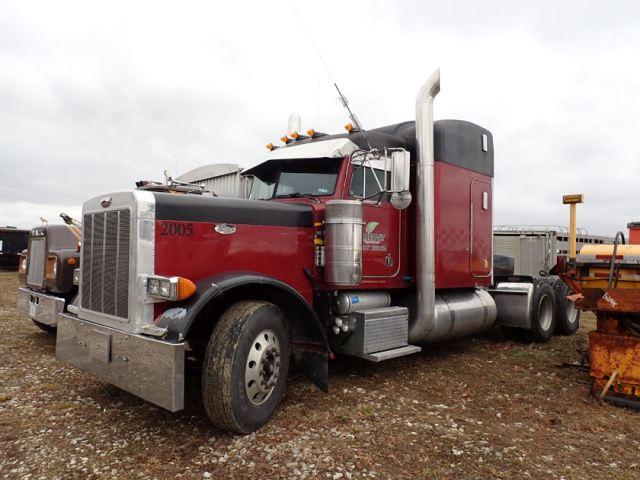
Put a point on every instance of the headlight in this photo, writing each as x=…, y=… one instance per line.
x=76, y=276
x=23, y=264
x=170, y=288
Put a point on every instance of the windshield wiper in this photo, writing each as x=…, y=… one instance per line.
x=297, y=195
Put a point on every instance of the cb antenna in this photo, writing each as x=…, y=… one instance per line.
x=343, y=99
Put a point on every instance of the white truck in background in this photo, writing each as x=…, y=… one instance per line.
x=533, y=251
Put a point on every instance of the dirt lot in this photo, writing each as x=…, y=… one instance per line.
x=477, y=408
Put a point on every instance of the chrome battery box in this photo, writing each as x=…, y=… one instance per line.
x=377, y=330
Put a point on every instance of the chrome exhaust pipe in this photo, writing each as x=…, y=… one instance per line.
x=424, y=321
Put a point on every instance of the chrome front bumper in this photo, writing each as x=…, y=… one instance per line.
x=149, y=368
x=40, y=307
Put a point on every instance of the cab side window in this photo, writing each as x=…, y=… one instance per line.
x=363, y=181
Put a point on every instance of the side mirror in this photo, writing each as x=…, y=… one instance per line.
x=399, y=171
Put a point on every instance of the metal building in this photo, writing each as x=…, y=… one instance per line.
x=536, y=248
x=224, y=179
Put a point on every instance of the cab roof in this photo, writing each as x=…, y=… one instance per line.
x=457, y=142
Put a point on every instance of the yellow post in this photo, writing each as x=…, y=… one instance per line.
x=572, y=201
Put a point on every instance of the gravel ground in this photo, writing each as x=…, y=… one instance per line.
x=477, y=408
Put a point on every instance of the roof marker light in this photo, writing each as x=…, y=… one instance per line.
x=311, y=132
x=295, y=135
x=270, y=146
x=285, y=139
x=349, y=127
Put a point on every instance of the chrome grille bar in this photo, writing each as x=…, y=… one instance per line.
x=105, y=262
x=37, y=260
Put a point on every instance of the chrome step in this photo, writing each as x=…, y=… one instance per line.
x=389, y=354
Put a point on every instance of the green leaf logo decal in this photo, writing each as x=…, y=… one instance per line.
x=371, y=226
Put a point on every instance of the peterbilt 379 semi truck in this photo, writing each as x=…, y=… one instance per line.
x=371, y=244
x=46, y=272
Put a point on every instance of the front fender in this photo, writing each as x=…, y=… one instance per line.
x=179, y=319
x=308, y=338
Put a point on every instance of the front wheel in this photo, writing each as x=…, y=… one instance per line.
x=45, y=328
x=245, y=366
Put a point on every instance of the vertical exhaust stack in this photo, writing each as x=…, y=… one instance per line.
x=424, y=320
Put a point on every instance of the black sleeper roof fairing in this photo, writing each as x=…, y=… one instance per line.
x=457, y=142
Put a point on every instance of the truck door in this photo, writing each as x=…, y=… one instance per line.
x=481, y=230
x=381, y=231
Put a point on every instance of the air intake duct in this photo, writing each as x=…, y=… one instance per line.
x=343, y=242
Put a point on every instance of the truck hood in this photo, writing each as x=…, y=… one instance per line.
x=195, y=208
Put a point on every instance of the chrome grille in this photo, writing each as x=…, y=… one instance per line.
x=35, y=275
x=105, y=262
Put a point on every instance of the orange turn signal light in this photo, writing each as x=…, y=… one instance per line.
x=71, y=261
x=186, y=288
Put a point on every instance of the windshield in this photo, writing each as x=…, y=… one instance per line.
x=291, y=178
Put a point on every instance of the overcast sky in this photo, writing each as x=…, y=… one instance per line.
x=94, y=96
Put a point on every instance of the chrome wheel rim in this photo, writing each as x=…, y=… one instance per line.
x=263, y=367
x=545, y=312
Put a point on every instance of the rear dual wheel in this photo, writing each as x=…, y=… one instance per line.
x=543, y=316
x=567, y=314
x=543, y=313
x=245, y=366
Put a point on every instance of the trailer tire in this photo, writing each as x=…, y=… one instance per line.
x=567, y=315
x=543, y=313
x=51, y=329
x=248, y=346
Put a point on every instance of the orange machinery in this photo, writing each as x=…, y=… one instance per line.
x=606, y=279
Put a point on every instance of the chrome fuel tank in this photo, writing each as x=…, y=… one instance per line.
x=457, y=313
x=460, y=313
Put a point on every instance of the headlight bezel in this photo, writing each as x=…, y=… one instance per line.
x=22, y=266
x=169, y=288
x=51, y=267
x=165, y=288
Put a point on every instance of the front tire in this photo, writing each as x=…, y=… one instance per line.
x=245, y=366
x=45, y=328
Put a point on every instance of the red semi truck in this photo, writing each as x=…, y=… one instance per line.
x=371, y=244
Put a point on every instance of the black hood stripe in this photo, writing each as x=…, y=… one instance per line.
x=196, y=208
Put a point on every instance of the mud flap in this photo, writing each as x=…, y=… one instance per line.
x=315, y=366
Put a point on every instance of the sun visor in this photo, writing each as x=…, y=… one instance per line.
x=334, y=148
